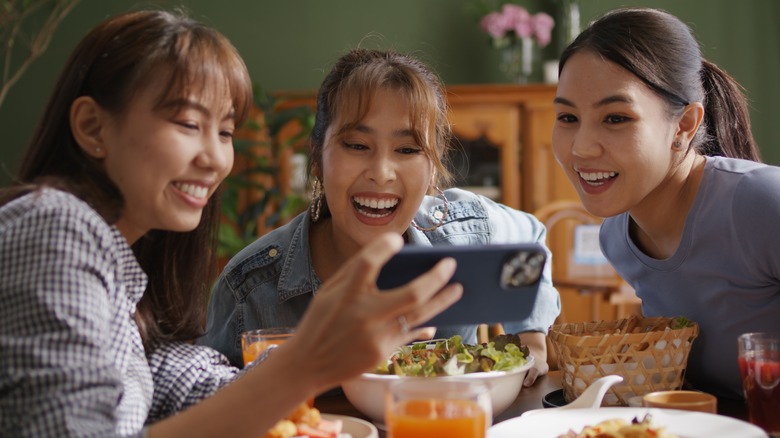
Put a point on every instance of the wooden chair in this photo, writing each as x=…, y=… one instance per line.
x=596, y=281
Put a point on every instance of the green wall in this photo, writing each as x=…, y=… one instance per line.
x=288, y=45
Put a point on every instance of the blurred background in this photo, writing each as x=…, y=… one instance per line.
x=289, y=45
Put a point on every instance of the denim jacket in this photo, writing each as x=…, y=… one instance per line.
x=271, y=281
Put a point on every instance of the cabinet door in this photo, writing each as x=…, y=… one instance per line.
x=486, y=150
x=544, y=180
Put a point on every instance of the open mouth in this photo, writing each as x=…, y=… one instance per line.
x=373, y=207
x=597, y=178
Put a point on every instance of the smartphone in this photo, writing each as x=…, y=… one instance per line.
x=500, y=282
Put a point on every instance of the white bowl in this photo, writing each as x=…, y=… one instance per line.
x=367, y=391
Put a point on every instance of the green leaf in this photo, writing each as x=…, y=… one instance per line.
x=261, y=159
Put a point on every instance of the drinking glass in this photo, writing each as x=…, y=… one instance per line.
x=255, y=342
x=759, y=366
x=418, y=407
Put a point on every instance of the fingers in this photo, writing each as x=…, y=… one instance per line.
x=362, y=269
x=530, y=378
x=425, y=333
x=441, y=301
x=539, y=369
x=415, y=295
x=373, y=256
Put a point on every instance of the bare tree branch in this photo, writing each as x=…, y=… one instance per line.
x=13, y=18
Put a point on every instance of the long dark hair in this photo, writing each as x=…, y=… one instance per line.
x=660, y=50
x=116, y=59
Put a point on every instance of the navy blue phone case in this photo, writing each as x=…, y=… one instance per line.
x=500, y=282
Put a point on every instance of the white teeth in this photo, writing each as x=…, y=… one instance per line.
x=596, y=177
x=374, y=203
x=193, y=190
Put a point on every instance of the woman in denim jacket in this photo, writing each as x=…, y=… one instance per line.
x=377, y=150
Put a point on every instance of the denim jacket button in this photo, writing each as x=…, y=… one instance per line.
x=438, y=214
x=272, y=252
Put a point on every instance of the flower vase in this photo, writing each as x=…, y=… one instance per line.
x=517, y=60
x=570, y=22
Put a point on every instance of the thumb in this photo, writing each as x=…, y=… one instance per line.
x=530, y=378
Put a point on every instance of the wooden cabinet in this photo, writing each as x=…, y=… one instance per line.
x=518, y=121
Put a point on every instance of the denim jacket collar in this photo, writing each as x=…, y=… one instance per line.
x=298, y=260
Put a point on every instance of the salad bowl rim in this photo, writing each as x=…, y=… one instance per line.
x=525, y=367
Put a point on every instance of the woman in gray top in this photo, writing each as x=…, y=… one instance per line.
x=657, y=140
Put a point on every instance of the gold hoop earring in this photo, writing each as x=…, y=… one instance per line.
x=316, y=199
x=441, y=215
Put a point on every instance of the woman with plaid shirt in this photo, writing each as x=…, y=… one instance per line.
x=107, y=245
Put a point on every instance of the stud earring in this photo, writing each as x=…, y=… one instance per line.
x=98, y=150
x=677, y=144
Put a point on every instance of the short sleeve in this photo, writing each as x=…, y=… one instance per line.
x=756, y=217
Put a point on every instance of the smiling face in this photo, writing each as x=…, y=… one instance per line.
x=168, y=161
x=374, y=175
x=612, y=136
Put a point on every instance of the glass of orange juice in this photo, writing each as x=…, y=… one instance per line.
x=255, y=342
x=418, y=407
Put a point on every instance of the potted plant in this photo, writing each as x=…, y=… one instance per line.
x=257, y=196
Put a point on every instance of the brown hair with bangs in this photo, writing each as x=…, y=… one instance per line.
x=119, y=57
x=344, y=99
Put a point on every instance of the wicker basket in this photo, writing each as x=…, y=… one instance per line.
x=648, y=354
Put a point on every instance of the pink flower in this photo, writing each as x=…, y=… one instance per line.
x=519, y=20
x=543, y=25
x=494, y=24
x=513, y=22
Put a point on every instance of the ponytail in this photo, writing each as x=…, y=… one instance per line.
x=726, y=117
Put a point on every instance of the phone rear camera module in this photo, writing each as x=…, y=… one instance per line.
x=522, y=269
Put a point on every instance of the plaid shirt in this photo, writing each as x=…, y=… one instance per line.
x=71, y=358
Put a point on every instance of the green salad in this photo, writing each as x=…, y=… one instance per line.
x=451, y=357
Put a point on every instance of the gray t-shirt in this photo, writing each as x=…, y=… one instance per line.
x=725, y=274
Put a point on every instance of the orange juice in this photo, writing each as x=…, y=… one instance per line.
x=255, y=342
x=255, y=349
x=436, y=418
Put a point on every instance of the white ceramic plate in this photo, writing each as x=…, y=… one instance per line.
x=354, y=426
x=550, y=423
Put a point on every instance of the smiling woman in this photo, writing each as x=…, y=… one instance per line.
x=108, y=243
x=378, y=152
x=657, y=139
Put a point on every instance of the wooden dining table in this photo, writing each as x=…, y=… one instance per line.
x=529, y=398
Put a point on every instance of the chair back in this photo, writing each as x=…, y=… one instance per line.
x=571, y=228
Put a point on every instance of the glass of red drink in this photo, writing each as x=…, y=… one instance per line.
x=759, y=366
